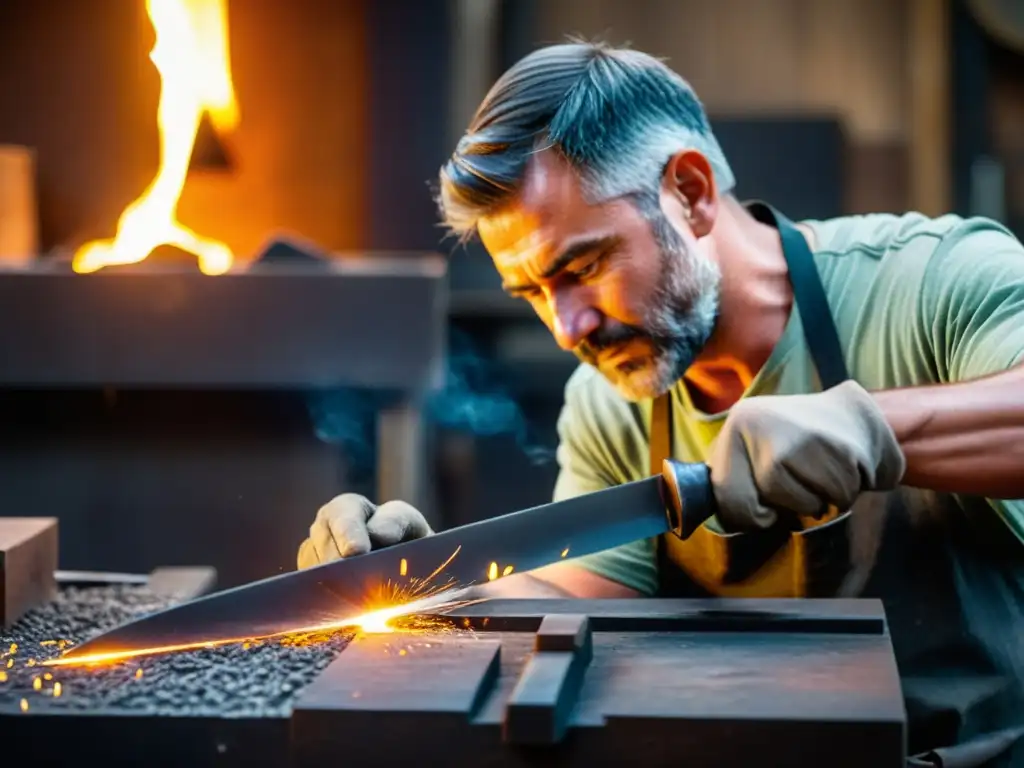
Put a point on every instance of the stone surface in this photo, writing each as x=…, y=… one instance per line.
x=258, y=679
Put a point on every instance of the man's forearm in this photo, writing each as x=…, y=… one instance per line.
x=962, y=438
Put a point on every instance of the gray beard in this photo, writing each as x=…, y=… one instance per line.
x=678, y=324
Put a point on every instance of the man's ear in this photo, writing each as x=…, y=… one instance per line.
x=689, y=179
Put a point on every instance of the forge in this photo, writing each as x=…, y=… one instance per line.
x=174, y=407
x=162, y=394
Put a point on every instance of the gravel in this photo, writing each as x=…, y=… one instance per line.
x=259, y=679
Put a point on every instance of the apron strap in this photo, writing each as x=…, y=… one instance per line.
x=815, y=316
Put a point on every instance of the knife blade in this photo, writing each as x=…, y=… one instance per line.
x=678, y=500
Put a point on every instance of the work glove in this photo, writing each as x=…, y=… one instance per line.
x=351, y=524
x=794, y=455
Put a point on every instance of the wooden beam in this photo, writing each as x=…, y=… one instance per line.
x=28, y=562
x=928, y=71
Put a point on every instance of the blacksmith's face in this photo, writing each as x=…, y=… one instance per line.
x=626, y=287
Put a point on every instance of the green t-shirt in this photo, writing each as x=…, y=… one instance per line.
x=916, y=301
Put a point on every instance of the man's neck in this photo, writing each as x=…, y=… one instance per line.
x=755, y=303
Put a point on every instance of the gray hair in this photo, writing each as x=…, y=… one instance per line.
x=616, y=115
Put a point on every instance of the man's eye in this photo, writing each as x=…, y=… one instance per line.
x=590, y=269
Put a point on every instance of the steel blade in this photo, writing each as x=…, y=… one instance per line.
x=331, y=593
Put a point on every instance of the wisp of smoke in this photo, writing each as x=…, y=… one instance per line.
x=472, y=400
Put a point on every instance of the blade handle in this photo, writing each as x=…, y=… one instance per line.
x=689, y=497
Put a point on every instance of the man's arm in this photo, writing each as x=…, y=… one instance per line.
x=965, y=433
x=964, y=438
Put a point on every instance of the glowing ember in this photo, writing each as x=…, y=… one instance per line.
x=403, y=567
x=565, y=552
x=24, y=705
x=56, y=689
x=191, y=54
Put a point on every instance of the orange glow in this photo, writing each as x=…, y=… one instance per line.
x=398, y=601
x=192, y=56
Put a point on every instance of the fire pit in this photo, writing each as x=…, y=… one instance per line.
x=166, y=380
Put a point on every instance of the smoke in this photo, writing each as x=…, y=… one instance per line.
x=473, y=400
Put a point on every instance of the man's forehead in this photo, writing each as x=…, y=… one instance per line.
x=548, y=207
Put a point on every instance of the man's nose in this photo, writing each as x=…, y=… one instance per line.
x=572, y=320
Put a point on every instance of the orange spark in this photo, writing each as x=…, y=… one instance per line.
x=372, y=622
x=403, y=567
x=507, y=571
x=492, y=572
x=565, y=552
x=56, y=689
x=192, y=56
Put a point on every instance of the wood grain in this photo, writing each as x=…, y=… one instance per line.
x=28, y=562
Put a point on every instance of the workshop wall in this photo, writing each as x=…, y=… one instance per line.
x=777, y=57
x=76, y=83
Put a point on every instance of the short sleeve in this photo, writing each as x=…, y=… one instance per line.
x=596, y=450
x=972, y=302
x=972, y=305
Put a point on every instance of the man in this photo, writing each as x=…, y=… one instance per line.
x=885, y=459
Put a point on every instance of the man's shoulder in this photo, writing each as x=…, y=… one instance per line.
x=877, y=235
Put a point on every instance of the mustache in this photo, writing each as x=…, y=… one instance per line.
x=609, y=336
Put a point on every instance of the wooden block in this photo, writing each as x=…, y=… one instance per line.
x=393, y=693
x=183, y=582
x=19, y=238
x=539, y=710
x=28, y=561
x=563, y=632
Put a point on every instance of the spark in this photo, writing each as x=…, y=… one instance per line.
x=403, y=567
x=56, y=689
x=565, y=552
x=374, y=621
x=507, y=571
x=3, y=677
x=37, y=684
x=492, y=572
x=138, y=673
x=24, y=705
x=397, y=601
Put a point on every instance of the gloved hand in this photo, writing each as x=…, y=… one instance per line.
x=797, y=454
x=351, y=524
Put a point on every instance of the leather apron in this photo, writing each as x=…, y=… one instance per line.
x=953, y=695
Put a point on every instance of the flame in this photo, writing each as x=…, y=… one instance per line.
x=192, y=56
